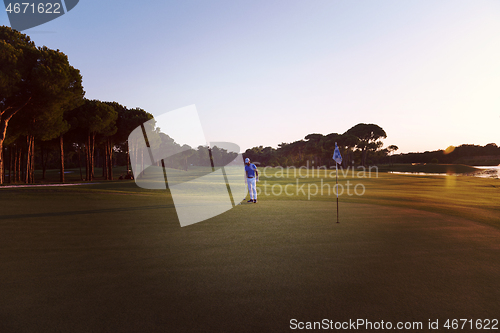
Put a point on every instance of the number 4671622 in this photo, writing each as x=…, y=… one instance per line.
x=41, y=8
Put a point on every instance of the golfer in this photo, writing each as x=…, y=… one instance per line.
x=252, y=179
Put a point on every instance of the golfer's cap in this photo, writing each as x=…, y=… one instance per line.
x=247, y=160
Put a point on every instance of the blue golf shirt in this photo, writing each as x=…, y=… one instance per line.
x=250, y=169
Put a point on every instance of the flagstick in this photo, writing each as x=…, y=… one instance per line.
x=337, y=180
x=337, y=157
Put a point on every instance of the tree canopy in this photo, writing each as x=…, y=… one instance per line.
x=38, y=84
x=41, y=99
x=368, y=135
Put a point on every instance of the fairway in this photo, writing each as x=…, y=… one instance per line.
x=112, y=258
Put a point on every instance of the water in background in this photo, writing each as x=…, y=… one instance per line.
x=483, y=172
x=488, y=171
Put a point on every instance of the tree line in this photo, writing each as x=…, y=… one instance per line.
x=361, y=144
x=175, y=156
x=463, y=154
x=42, y=101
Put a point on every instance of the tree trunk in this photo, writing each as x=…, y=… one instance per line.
x=28, y=160
x=14, y=174
x=2, y=137
x=20, y=169
x=363, y=156
x=80, y=162
x=32, y=160
x=87, y=161
x=137, y=151
x=128, y=159
x=61, y=149
x=32, y=163
x=142, y=161
x=44, y=161
x=31, y=157
x=10, y=165
x=2, y=176
x=90, y=156
x=16, y=164
x=27, y=164
x=92, y=151
x=87, y=157
x=110, y=163
x=107, y=157
x=104, y=162
x=3, y=131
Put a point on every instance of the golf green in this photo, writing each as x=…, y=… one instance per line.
x=110, y=258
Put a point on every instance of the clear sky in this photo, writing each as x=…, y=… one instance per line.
x=266, y=72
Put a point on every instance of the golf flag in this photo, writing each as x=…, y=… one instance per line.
x=336, y=155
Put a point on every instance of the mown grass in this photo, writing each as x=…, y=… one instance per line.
x=429, y=168
x=111, y=257
x=475, y=198
x=470, y=197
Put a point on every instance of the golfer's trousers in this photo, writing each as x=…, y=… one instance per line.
x=252, y=188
